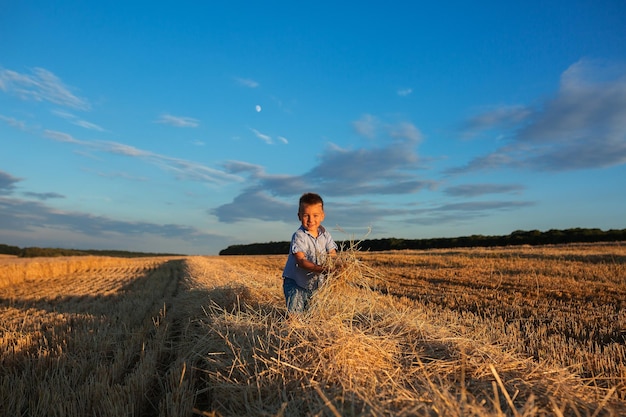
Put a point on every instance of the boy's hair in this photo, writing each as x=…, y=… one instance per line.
x=308, y=199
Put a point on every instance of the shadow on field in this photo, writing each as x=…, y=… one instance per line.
x=87, y=348
x=218, y=328
x=156, y=284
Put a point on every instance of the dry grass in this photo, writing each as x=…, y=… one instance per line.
x=85, y=339
x=559, y=305
x=359, y=351
x=483, y=332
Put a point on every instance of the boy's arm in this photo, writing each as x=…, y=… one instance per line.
x=304, y=263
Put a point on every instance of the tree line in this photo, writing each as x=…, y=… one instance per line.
x=33, y=252
x=518, y=237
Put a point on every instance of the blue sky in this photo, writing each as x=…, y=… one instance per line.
x=190, y=126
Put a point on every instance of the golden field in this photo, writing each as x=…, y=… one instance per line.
x=516, y=331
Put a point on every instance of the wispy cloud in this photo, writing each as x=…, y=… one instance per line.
x=29, y=216
x=475, y=190
x=246, y=82
x=43, y=196
x=28, y=222
x=122, y=175
x=500, y=117
x=463, y=213
x=484, y=205
x=403, y=92
x=40, y=85
x=267, y=138
x=7, y=187
x=504, y=157
x=182, y=169
x=11, y=121
x=239, y=167
x=62, y=137
x=370, y=127
x=583, y=126
x=75, y=120
x=267, y=208
x=405, y=130
x=7, y=183
x=366, y=126
x=178, y=121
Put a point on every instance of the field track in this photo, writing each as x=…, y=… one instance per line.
x=520, y=331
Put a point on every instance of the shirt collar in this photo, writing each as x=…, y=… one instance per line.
x=320, y=230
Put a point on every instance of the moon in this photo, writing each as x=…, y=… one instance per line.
x=257, y=108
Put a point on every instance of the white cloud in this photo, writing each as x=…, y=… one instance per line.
x=246, y=82
x=405, y=92
x=499, y=117
x=13, y=122
x=239, y=167
x=283, y=140
x=122, y=175
x=178, y=121
x=88, y=125
x=40, y=85
x=126, y=150
x=583, y=126
x=266, y=138
x=405, y=130
x=181, y=168
x=366, y=126
x=77, y=121
x=384, y=170
x=61, y=137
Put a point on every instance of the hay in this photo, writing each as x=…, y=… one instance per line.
x=358, y=351
x=211, y=335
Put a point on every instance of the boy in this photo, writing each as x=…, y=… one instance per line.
x=310, y=245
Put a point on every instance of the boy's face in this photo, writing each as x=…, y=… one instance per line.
x=311, y=216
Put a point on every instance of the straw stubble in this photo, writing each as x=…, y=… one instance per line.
x=475, y=332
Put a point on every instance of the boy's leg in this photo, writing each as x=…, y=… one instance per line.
x=296, y=298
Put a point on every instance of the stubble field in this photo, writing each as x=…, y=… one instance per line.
x=520, y=331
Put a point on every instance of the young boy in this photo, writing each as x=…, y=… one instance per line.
x=310, y=245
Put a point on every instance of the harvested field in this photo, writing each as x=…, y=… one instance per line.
x=523, y=331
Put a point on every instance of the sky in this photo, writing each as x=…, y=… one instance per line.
x=189, y=126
